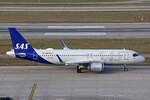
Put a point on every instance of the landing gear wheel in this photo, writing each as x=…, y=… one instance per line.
x=79, y=69
x=125, y=68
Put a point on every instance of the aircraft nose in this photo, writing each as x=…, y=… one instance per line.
x=142, y=59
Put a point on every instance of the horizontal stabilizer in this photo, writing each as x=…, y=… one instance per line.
x=21, y=54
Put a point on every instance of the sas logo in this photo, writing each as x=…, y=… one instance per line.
x=21, y=46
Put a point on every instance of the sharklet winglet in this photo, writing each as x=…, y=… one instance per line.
x=63, y=45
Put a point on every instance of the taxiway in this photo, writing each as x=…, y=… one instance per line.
x=63, y=83
x=78, y=30
x=136, y=8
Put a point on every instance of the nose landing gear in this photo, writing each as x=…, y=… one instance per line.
x=125, y=67
x=79, y=70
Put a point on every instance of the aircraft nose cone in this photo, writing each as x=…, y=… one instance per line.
x=142, y=59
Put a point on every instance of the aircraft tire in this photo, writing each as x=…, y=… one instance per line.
x=78, y=69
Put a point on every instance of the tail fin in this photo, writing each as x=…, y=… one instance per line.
x=23, y=49
x=20, y=45
x=63, y=45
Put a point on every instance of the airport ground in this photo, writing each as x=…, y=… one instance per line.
x=73, y=3
x=117, y=13
x=78, y=30
x=63, y=83
x=74, y=17
x=78, y=9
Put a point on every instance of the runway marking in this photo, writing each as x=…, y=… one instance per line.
x=77, y=34
x=130, y=34
x=70, y=27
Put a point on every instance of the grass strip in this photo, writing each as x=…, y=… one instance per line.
x=72, y=17
x=28, y=1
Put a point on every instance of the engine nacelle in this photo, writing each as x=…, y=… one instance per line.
x=96, y=67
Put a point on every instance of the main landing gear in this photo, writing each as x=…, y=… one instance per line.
x=125, y=67
x=79, y=70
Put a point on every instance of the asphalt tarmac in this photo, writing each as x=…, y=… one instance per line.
x=136, y=8
x=40, y=2
x=63, y=83
x=78, y=30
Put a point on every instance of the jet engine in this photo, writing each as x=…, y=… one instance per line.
x=96, y=67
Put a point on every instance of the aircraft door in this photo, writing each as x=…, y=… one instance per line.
x=90, y=56
x=126, y=56
x=114, y=56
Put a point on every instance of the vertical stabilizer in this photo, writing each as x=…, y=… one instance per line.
x=20, y=45
x=23, y=49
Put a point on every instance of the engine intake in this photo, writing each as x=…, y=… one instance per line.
x=96, y=67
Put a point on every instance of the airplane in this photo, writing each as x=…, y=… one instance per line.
x=91, y=59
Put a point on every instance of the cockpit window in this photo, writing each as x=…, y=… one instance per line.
x=135, y=54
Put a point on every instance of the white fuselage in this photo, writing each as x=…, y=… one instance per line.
x=107, y=56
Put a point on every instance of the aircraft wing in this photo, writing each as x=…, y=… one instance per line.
x=78, y=62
